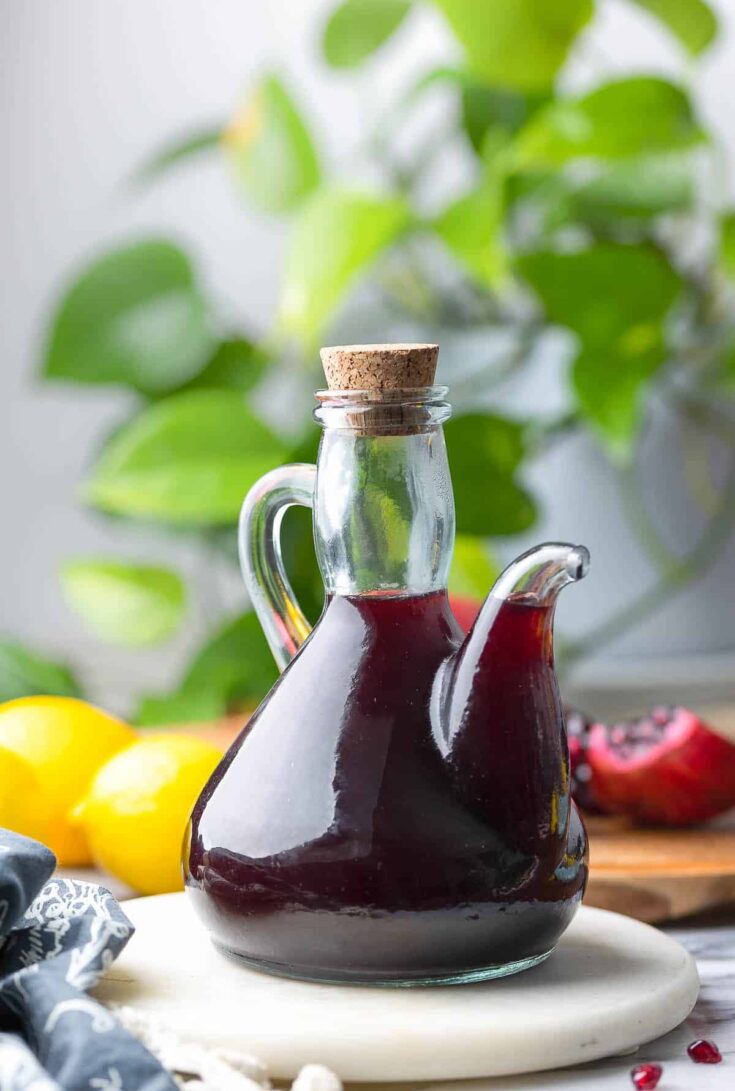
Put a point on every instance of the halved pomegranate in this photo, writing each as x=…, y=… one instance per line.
x=667, y=768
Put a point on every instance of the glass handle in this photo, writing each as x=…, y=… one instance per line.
x=261, y=559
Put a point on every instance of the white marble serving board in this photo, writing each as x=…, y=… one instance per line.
x=611, y=985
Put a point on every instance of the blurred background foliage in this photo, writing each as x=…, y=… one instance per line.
x=600, y=213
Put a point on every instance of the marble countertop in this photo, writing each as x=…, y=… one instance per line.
x=713, y=947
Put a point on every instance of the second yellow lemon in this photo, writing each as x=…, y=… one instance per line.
x=138, y=805
x=64, y=741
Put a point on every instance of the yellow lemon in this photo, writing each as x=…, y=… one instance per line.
x=64, y=741
x=139, y=804
x=23, y=807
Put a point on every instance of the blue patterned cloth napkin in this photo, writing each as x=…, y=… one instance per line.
x=57, y=937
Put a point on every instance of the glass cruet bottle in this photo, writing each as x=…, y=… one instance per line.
x=397, y=810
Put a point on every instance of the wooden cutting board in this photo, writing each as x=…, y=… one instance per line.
x=659, y=875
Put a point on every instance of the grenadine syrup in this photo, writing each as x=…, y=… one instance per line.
x=341, y=838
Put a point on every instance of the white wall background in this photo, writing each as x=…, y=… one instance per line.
x=88, y=88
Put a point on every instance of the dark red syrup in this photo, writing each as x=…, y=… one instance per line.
x=363, y=827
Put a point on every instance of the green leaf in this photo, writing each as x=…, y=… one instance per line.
x=520, y=44
x=606, y=196
x=234, y=670
x=472, y=229
x=727, y=243
x=485, y=452
x=178, y=151
x=489, y=108
x=616, y=298
x=610, y=388
x=133, y=318
x=356, y=28
x=692, y=21
x=337, y=235
x=484, y=109
x=189, y=460
x=638, y=115
x=272, y=154
x=128, y=604
x=25, y=674
x=236, y=364
x=633, y=189
x=605, y=292
x=474, y=569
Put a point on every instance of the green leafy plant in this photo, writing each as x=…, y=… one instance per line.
x=23, y=673
x=578, y=214
x=128, y=604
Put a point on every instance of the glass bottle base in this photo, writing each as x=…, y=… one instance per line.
x=347, y=977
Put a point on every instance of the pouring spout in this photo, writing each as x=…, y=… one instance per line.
x=496, y=712
x=539, y=574
x=503, y=641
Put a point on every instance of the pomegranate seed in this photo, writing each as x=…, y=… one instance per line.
x=646, y=1076
x=704, y=1052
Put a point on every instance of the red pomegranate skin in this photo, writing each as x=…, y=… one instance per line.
x=465, y=611
x=668, y=769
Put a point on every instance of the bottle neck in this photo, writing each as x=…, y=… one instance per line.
x=383, y=506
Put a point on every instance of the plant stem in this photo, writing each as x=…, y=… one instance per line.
x=543, y=434
x=642, y=524
x=494, y=374
x=701, y=410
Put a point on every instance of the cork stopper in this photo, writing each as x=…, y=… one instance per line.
x=379, y=367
